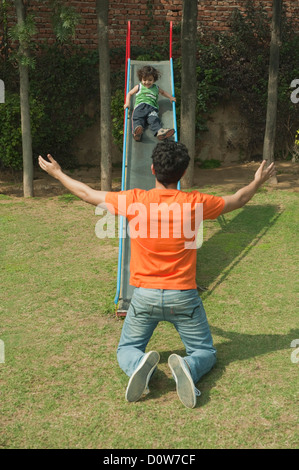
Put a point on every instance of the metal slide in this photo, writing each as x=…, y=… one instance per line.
x=136, y=170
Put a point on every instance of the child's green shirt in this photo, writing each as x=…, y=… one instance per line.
x=147, y=95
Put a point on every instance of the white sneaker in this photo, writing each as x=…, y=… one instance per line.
x=165, y=133
x=138, y=383
x=185, y=388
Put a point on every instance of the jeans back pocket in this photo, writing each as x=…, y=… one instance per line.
x=142, y=310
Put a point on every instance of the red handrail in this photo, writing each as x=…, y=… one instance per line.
x=128, y=53
x=170, y=41
x=129, y=39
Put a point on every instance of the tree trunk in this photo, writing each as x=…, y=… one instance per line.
x=188, y=85
x=105, y=95
x=270, y=132
x=2, y=92
x=25, y=113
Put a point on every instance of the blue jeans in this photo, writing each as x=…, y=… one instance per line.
x=184, y=309
x=144, y=115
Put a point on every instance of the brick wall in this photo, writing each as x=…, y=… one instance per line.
x=149, y=19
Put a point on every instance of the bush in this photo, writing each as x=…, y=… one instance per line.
x=208, y=164
x=64, y=88
x=11, y=136
x=63, y=81
x=117, y=111
x=243, y=63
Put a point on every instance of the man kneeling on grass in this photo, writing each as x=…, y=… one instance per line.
x=163, y=267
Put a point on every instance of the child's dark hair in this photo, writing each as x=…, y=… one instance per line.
x=148, y=71
x=170, y=160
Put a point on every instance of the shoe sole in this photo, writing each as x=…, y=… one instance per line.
x=166, y=135
x=140, y=378
x=184, y=383
x=138, y=133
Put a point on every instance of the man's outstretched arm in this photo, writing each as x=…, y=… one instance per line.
x=81, y=190
x=243, y=195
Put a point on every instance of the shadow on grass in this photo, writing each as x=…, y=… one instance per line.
x=239, y=347
x=219, y=255
x=226, y=249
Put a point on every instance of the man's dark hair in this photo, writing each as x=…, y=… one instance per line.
x=170, y=160
x=148, y=71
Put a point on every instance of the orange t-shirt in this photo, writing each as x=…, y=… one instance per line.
x=163, y=225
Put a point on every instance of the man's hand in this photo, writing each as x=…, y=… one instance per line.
x=52, y=167
x=241, y=197
x=263, y=174
x=81, y=190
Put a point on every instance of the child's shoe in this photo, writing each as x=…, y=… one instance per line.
x=164, y=133
x=138, y=133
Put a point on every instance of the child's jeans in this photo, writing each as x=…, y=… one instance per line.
x=184, y=309
x=144, y=115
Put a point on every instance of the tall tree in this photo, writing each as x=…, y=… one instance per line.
x=65, y=18
x=23, y=63
x=188, y=84
x=105, y=95
x=270, y=132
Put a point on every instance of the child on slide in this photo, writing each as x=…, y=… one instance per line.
x=146, y=104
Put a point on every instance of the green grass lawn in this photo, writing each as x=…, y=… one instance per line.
x=61, y=386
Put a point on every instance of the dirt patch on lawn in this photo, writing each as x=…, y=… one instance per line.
x=227, y=178
x=231, y=177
